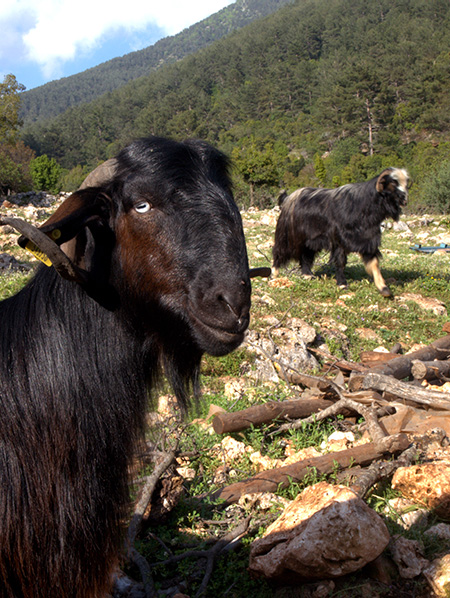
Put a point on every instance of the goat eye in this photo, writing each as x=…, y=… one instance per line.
x=142, y=207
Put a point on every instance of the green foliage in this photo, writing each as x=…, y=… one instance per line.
x=319, y=169
x=15, y=173
x=14, y=156
x=435, y=196
x=258, y=166
x=51, y=99
x=11, y=283
x=9, y=109
x=46, y=173
x=72, y=179
x=228, y=365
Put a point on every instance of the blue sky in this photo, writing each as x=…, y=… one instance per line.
x=45, y=40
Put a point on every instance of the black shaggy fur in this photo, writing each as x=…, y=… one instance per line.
x=341, y=221
x=166, y=243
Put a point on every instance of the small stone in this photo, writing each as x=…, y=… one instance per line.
x=438, y=576
x=408, y=557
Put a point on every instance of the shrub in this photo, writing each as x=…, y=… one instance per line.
x=435, y=195
x=15, y=161
x=46, y=174
x=72, y=179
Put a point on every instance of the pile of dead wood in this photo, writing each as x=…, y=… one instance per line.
x=375, y=388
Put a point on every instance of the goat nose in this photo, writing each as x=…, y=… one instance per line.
x=236, y=304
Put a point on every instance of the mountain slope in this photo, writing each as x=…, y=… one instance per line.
x=346, y=77
x=53, y=98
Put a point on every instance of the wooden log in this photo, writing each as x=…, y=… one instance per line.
x=400, y=367
x=410, y=392
x=236, y=421
x=256, y=415
x=373, y=358
x=273, y=479
x=429, y=370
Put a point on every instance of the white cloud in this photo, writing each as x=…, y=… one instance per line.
x=56, y=31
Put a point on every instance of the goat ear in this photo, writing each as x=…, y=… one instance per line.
x=383, y=181
x=74, y=214
x=78, y=242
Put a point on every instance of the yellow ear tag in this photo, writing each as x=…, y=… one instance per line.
x=34, y=249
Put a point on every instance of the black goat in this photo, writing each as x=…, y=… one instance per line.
x=154, y=273
x=342, y=220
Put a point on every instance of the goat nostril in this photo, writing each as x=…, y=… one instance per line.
x=228, y=305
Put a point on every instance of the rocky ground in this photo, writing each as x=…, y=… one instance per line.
x=328, y=540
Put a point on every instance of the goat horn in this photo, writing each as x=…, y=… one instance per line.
x=265, y=272
x=100, y=175
x=62, y=264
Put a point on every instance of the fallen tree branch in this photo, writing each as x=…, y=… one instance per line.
x=372, y=359
x=342, y=364
x=400, y=367
x=381, y=470
x=416, y=394
x=260, y=414
x=344, y=402
x=144, y=570
x=146, y=496
x=271, y=480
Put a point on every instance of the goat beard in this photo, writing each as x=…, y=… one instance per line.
x=170, y=350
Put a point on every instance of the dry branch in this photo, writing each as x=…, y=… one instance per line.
x=146, y=496
x=344, y=404
x=259, y=414
x=381, y=470
x=400, y=367
x=375, y=358
x=294, y=377
x=416, y=394
x=342, y=364
x=271, y=480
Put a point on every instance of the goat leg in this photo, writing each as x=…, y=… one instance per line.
x=372, y=266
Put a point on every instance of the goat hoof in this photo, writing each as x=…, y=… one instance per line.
x=385, y=291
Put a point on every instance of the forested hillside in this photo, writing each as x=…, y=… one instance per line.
x=354, y=83
x=49, y=100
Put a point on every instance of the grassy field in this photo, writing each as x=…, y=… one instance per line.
x=362, y=320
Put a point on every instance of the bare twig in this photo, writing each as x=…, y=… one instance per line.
x=136, y=522
x=146, y=496
x=144, y=570
x=344, y=402
x=226, y=543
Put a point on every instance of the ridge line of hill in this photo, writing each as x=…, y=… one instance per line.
x=55, y=97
